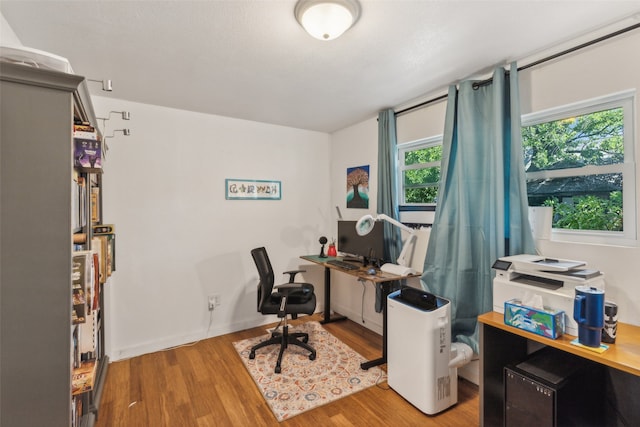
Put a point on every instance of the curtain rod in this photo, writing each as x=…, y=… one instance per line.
x=524, y=67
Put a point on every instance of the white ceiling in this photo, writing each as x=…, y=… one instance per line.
x=250, y=59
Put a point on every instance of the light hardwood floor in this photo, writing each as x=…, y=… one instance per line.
x=206, y=384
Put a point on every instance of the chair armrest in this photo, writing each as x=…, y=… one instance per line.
x=287, y=287
x=299, y=293
x=294, y=289
x=292, y=274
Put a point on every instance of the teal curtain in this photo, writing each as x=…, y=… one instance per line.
x=387, y=193
x=387, y=181
x=482, y=201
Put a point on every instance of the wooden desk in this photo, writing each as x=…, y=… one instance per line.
x=385, y=279
x=501, y=345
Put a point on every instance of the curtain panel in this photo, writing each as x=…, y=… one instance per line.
x=482, y=209
x=387, y=182
x=387, y=193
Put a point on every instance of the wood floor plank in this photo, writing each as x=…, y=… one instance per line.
x=206, y=384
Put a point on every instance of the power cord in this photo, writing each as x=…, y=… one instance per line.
x=364, y=288
x=274, y=330
x=135, y=402
x=210, y=321
x=206, y=335
x=380, y=381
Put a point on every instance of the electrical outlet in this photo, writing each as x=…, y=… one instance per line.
x=214, y=301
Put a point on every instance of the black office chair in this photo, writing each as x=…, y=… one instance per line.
x=289, y=298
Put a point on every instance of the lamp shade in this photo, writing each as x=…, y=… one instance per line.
x=327, y=19
x=365, y=224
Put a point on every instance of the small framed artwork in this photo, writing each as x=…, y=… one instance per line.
x=252, y=189
x=358, y=187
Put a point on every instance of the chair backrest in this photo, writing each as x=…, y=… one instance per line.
x=265, y=271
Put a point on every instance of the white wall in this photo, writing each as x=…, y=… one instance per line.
x=422, y=123
x=179, y=240
x=7, y=36
x=354, y=146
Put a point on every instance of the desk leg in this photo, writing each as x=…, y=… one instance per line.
x=327, y=299
x=386, y=290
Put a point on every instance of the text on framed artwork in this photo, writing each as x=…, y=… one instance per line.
x=252, y=189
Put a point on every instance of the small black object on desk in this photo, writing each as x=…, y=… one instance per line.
x=323, y=241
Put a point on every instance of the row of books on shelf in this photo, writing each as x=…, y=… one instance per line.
x=87, y=149
x=83, y=377
x=79, y=190
x=86, y=340
x=85, y=354
x=83, y=380
x=78, y=207
x=91, y=268
x=84, y=285
x=105, y=244
x=77, y=404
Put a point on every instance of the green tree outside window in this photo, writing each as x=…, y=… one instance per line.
x=585, y=200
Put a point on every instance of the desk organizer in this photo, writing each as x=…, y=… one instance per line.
x=548, y=322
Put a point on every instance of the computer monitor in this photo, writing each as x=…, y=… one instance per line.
x=368, y=248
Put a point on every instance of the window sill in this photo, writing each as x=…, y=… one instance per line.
x=592, y=238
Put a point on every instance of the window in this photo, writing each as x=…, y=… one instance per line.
x=419, y=171
x=579, y=159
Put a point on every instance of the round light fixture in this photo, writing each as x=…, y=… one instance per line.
x=327, y=19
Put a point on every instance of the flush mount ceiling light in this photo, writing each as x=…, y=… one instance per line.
x=327, y=19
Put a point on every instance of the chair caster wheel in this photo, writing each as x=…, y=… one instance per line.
x=252, y=355
x=277, y=370
x=312, y=356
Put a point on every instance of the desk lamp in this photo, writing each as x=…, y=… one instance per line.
x=365, y=225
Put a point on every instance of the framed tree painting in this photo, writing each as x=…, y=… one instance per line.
x=358, y=187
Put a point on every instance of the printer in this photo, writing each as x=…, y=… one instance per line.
x=552, y=280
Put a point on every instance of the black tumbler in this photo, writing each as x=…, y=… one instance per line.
x=610, y=329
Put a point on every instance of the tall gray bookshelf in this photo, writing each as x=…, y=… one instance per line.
x=36, y=245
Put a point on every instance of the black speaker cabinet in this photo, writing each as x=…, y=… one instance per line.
x=553, y=388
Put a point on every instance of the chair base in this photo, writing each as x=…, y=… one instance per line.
x=285, y=339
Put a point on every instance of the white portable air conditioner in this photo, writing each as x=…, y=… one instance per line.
x=421, y=365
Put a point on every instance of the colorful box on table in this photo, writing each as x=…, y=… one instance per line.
x=548, y=322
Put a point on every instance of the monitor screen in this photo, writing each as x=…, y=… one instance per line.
x=370, y=246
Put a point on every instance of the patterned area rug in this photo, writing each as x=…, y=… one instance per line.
x=305, y=384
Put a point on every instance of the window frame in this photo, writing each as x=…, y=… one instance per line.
x=626, y=101
x=403, y=148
